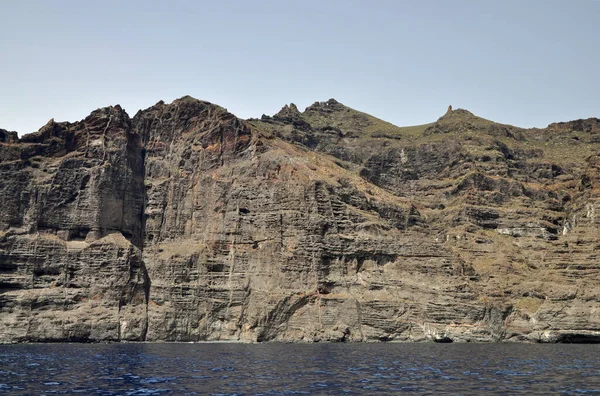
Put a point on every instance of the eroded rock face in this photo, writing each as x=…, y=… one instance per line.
x=71, y=230
x=186, y=223
x=8, y=137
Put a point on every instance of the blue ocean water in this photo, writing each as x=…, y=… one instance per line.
x=299, y=369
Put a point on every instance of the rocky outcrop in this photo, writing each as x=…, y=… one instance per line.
x=8, y=137
x=71, y=231
x=461, y=120
x=185, y=223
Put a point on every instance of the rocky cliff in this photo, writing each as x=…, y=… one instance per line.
x=185, y=223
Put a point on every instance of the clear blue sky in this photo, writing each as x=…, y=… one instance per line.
x=524, y=62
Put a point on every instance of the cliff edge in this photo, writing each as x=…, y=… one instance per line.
x=185, y=223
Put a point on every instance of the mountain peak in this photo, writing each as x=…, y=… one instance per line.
x=185, y=105
x=458, y=114
x=461, y=120
x=326, y=107
x=290, y=113
x=186, y=98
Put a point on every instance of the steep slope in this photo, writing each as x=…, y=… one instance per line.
x=71, y=232
x=186, y=223
x=504, y=200
x=251, y=238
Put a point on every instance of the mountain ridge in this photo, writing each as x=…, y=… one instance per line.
x=591, y=122
x=186, y=223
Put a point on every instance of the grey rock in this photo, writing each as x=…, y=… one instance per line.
x=186, y=223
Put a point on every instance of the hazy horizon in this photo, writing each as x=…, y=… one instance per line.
x=522, y=63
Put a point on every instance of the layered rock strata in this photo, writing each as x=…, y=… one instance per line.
x=185, y=223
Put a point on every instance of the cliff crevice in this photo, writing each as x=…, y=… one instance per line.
x=185, y=223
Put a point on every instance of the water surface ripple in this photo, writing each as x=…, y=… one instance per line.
x=299, y=369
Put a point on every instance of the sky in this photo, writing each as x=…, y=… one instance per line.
x=522, y=62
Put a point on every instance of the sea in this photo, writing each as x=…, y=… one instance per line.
x=299, y=369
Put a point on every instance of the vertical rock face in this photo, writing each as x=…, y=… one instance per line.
x=186, y=223
x=190, y=149
x=249, y=238
x=71, y=230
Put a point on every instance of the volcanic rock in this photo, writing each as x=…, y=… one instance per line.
x=185, y=223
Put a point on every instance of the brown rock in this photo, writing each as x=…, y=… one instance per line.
x=186, y=223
